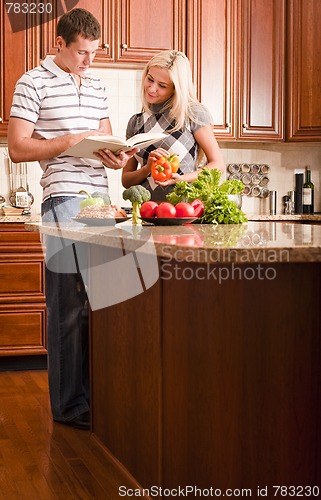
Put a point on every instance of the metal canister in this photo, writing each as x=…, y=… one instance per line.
x=256, y=179
x=245, y=168
x=246, y=179
x=233, y=168
x=265, y=169
x=235, y=177
x=264, y=180
x=246, y=190
x=272, y=197
x=255, y=191
x=255, y=169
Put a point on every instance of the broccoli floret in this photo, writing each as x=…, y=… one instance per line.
x=136, y=195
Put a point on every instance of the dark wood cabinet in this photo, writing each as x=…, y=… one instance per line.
x=261, y=39
x=240, y=51
x=22, y=292
x=131, y=31
x=304, y=71
x=204, y=397
x=211, y=49
x=19, y=52
x=238, y=62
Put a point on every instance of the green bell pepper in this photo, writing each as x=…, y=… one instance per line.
x=90, y=200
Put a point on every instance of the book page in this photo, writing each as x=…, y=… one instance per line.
x=87, y=147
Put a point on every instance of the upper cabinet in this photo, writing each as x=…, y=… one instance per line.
x=18, y=49
x=261, y=39
x=239, y=65
x=131, y=30
x=304, y=71
x=211, y=49
x=256, y=63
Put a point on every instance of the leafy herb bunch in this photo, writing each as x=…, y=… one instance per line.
x=218, y=208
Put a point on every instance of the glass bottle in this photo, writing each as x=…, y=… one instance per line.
x=308, y=193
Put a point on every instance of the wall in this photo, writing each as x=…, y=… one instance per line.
x=123, y=89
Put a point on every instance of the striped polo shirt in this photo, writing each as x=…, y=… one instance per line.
x=51, y=99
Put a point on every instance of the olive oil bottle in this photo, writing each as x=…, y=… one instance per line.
x=308, y=193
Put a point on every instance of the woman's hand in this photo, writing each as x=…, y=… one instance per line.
x=154, y=156
x=112, y=161
x=175, y=178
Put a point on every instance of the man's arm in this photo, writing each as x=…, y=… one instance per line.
x=23, y=147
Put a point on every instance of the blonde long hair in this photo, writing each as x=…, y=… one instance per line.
x=181, y=102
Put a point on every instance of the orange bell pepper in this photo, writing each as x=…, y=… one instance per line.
x=163, y=168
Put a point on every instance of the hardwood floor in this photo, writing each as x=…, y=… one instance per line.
x=40, y=459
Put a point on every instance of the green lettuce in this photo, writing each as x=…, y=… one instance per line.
x=218, y=208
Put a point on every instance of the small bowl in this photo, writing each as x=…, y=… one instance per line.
x=237, y=198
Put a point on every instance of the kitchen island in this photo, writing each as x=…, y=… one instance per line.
x=208, y=375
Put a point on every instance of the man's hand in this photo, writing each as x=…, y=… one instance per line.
x=112, y=161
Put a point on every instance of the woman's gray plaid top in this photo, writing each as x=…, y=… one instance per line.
x=181, y=142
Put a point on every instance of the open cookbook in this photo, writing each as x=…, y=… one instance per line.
x=86, y=147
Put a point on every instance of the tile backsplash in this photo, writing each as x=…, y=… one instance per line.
x=123, y=91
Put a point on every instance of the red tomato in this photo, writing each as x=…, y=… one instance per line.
x=165, y=210
x=148, y=209
x=184, y=209
x=198, y=207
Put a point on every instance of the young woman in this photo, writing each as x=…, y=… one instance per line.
x=170, y=106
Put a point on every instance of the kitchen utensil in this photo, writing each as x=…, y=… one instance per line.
x=21, y=194
x=31, y=198
x=20, y=198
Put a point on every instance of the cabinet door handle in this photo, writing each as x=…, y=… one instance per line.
x=245, y=126
x=123, y=46
x=0, y=119
x=105, y=45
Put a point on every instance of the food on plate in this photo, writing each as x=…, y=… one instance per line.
x=137, y=195
x=151, y=209
x=163, y=168
x=184, y=209
x=101, y=212
x=148, y=209
x=165, y=210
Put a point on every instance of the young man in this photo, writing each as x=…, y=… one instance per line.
x=55, y=106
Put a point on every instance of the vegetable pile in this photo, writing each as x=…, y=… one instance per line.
x=218, y=209
x=166, y=210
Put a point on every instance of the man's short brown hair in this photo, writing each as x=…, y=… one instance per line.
x=78, y=22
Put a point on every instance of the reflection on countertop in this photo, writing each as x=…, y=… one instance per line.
x=252, y=242
x=285, y=217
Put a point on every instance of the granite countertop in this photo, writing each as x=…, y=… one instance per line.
x=19, y=218
x=268, y=242
x=285, y=217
